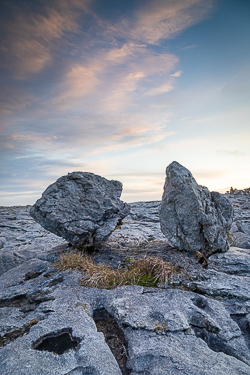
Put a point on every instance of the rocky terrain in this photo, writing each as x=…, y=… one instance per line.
x=50, y=324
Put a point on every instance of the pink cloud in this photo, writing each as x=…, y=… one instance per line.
x=177, y=74
x=163, y=19
x=5, y=111
x=28, y=46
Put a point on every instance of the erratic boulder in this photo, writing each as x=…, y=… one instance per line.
x=81, y=207
x=191, y=217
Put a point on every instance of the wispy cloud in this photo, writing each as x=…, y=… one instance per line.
x=160, y=89
x=31, y=137
x=116, y=78
x=79, y=81
x=5, y=111
x=209, y=174
x=230, y=152
x=29, y=36
x=177, y=74
x=14, y=98
x=164, y=19
x=186, y=48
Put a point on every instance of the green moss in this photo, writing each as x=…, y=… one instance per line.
x=146, y=280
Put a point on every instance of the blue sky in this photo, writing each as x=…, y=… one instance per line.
x=121, y=89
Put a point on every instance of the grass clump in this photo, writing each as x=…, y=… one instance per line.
x=148, y=271
x=159, y=327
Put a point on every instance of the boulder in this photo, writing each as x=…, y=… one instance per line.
x=192, y=218
x=81, y=207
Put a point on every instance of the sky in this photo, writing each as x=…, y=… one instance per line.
x=121, y=88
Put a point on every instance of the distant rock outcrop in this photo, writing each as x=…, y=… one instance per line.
x=191, y=217
x=81, y=207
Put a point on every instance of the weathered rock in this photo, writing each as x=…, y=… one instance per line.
x=179, y=312
x=236, y=261
x=202, y=328
x=61, y=338
x=139, y=228
x=220, y=284
x=239, y=192
x=178, y=355
x=167, y=331
x=242, y=240
x=23, y=238
x=2, y=242
x=191, y=217
x=81, y=207
x=240, y=229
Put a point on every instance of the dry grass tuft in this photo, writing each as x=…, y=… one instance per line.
x=159, y=327
x=75, y=261
x=148, y=271
x=155, y=268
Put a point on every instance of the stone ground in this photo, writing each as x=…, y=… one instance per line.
x=49, y=324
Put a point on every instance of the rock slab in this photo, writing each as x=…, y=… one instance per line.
x=81, y=207
x=191, y=217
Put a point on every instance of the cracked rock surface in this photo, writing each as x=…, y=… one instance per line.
x=199, y=324
x=22, y=238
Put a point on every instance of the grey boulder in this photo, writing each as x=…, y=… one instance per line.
x=81, y=207
x=192, y=218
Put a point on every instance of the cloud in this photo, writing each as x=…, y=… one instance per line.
x=161, y=89
x=31, y=137
x=120, y=93
x=115, y=78
x=188, y=47
x=177, y=74
x=79, y=81
x=120, y=55
x=151, y=184
x=14, y=98
x=210, y=174
x=75, y=139
x=230, y=152
x=32, y=38
x=144, y=69
x=161, y=19
x=5, y=111
x=29, y=36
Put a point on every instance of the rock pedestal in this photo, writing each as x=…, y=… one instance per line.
x=81, y=207
x=191, y=217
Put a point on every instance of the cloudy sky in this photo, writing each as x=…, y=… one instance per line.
x=121, y=88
